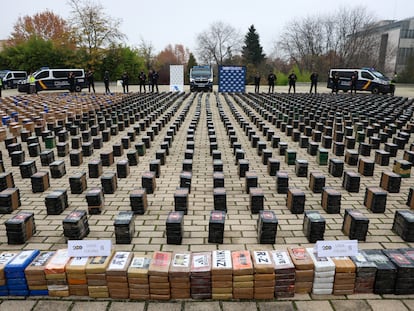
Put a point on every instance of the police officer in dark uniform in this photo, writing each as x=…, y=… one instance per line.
x=314, y=81
x=142, y=78
x=271, y=78
x=257, y=82
x=354, y=81
x=335, y=83
x=125, y=82
x=292, y=82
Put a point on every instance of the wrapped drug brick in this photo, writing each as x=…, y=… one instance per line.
x=375, y=199
x=175, y=227
x=243, y=279
x=20, y=228
x=331, y=200
x=56, y=202
x=365, y=273
x=404, y=284
x=313, y=226
x=284, y=274
x=355, y=225
x=267, y=227
x=216, y=226
x=403, y=224
x=75, y=225
x=296, y=201
x=263, y=275
x=386, y=275
x=76, y=276
x=138, y=282
x=324, y=274
x=14, y=272
x=117, y=275
x=9, y=200
x=200, y=275
x=95, y=200
x=304, y=269
x=35, y=274
x=179, y=275
x=222, y=275
x=345, y=274
x=159, y=284
x=124, y=224
x=138, y=201
x=96, y=276
x=55, y=272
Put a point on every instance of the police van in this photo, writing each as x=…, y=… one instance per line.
x=368, y=80
x=10, y=78
x=47, y=79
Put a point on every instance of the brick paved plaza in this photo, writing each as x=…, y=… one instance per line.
x=223, y=114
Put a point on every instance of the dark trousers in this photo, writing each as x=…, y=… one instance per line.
x=294, y=87
x=313, y=85
x=140, y=87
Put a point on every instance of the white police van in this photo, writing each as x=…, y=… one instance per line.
x=47, y=79
x=10, y=78
x=369, y=80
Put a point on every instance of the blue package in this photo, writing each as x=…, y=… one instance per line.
x=4, y=293
x=20, y=262
x=44, y=292
x=19, y=293
x=16, y=281
x=18, y=287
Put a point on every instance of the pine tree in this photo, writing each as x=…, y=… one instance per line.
x=252, y=51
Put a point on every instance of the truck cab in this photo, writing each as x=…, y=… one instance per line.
x=201, y=78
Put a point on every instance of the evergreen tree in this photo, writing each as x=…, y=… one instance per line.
x=252, y=51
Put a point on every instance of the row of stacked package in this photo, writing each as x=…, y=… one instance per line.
x=220, y=274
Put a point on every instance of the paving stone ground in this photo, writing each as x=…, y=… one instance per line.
x=241, y=224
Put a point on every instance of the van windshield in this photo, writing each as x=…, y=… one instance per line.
x=201, y=73
x=3, y=74
x=378, y=75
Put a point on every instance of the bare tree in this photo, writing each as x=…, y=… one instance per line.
x=93, y=28
x=146, y=50
x=218, y=43
x=341, y=39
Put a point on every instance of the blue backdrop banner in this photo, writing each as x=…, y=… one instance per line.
x=232, y=79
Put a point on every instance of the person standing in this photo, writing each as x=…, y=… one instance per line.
x=335, y=83
x=271, y=78
x=314, y=81
x=155, y=77
x=150, y=88
x=257, y=82
x=125, y=82
x=1, y=85
x=91, y=80
x=354, y=81
x=142, y=78
x=106, y=82
x=292, y=82
x=71, y=80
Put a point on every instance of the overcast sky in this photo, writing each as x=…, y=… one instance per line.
x=166, y=22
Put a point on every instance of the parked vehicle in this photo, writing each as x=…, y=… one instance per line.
x=47, y=79
x=10, y=78
x=201, y=78
x=368, y=79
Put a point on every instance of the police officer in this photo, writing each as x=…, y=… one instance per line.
x=271, y=78
x=155, y=77
x=106, y=82
x=335, y=83
x=292, y=82
x=125, y=82
x=32, y=84
x=257, y=82
x=314, y=81
x=91, y=80
x=354, y=81
x=142, y=78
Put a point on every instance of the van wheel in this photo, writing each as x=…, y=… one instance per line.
x=375, y=90
x=78, y=88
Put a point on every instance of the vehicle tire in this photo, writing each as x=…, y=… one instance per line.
x=345, y=91
x=375, y=90
x=78, y=88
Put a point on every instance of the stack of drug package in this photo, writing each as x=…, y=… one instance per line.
x=35, y=274
x=201, y=275
x=55, y=274
x=386, y=271
x=403, y=224
x=222, y=275
x=174, y=227
x=285, y=274
x=14, y=272
x=96, y=276
x=304, y=269
x=117, y=275
x=76, y=276
x=365, y=273
x=159, y=283
x=76, y=225
x=179, y=275
x=264, y=275
x=404, y=284
x=324, y=273
x=243, y=285
x=124, y=224
x=5, y=258
x=345, y=273
x=20, y=228
x=138, y=277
